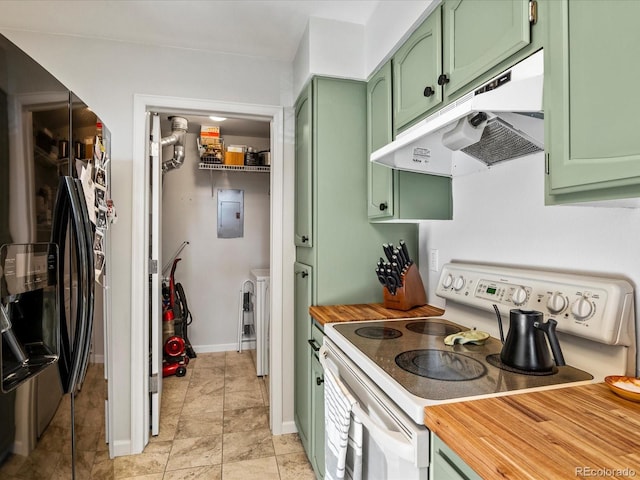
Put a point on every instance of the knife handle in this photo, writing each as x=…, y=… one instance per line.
x=405, y=250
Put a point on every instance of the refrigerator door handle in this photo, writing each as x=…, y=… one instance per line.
x=59, y=237
x=89, y=283
x=82, y=338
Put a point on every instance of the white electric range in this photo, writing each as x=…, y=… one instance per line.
x=395, y=368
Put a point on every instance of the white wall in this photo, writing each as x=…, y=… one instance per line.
x=331, y=48
x=499, y=217
x=213, y=269
x=350, y=50
x=107, y=75
x=389, y=26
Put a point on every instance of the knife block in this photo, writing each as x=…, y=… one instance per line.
x=410, y=295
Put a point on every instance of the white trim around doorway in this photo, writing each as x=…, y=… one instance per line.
x=280, y=255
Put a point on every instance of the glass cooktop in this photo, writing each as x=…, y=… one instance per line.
x=413, y=353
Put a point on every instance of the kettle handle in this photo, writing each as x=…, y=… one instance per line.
x=550, y=329
x=495, y=307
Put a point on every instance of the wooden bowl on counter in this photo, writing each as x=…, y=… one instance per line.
x=626, y=387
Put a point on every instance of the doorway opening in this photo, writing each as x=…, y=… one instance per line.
x=208, y=182
x=216, y=221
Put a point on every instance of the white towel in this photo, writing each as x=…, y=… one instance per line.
x=342, y=430
x=354, y=453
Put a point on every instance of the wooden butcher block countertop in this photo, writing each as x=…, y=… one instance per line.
x=573, y=432
x=367, y=311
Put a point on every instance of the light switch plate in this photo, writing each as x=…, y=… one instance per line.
x=433, y=260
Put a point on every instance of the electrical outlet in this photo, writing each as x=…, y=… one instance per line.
x=433, y=260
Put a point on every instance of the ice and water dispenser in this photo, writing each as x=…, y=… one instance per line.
x=29, y=315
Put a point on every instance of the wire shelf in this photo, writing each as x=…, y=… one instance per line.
x=235, y=168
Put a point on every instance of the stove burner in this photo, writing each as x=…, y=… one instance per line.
x=494, y=359
x=440, y=365
x=379, y=333
x=438, y=329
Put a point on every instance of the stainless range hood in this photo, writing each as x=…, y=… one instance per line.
x=499, y=121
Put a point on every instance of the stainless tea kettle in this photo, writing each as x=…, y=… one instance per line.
x=525, y=347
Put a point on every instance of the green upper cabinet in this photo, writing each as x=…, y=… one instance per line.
x=462, y=44
x=416, y=67
x=480, y=35
x=591, y=126
x=303, y=223
x=379, y=133
x=394, y=195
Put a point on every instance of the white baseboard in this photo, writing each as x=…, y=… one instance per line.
x=121, y=448
x=286, y=427
x=96, y=358
x=228, y=347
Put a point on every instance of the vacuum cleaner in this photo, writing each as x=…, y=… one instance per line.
x=176, y=319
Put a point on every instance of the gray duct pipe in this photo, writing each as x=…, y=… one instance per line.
x=179, y=127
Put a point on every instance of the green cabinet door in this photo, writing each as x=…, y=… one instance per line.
x=591, y=108
x=396, y=195
x=303, y=216
x=379, y=133
x=317, y=407
x=480, y=35
x=446, y=464
x=416, y=67
x=302, y=358
x=423, y=197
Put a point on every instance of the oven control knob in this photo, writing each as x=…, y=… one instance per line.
x=556, y=302
x=458, y=284
x=582, y=308
x=519, y=296
x=448, y=281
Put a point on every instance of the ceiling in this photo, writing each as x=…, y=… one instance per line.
x=243, y=127
x=261, y=28
x=271, y=29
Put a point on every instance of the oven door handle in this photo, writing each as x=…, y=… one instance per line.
x=386, y=439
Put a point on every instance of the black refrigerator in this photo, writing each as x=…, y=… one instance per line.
x=54, y=212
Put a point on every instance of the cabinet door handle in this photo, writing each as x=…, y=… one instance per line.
x=314, y=345
x=305, y=239
x=383, y=206
x=428, y=91
x=442, y=79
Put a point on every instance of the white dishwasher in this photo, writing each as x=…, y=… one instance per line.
x=262, y=312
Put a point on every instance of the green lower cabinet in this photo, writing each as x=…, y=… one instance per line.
x=308, y=373
x=302, y=359
x=446, y=464
x=591, y=126
x=317, y=407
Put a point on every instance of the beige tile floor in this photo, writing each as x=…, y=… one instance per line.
x=214, y=426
